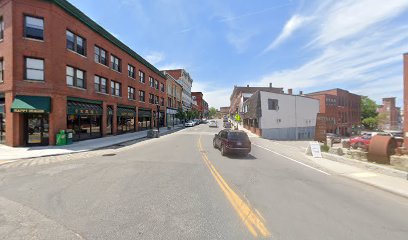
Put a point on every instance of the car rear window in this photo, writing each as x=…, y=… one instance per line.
x=237, y=136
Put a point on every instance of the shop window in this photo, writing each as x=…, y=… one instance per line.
x=100, y=84
x=34, y=27
x=141, y=96
x=131, y=71
x=75, y=77
x=116, y=63
x=100, y=56
x=76, y=43
x=34, y=69
x=142, y=77
x=116, y=88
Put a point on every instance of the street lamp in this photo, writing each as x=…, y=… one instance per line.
x=158, y=113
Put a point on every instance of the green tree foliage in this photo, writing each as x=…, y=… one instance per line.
x=180, y=114
x=212, y=112
x=369, y=115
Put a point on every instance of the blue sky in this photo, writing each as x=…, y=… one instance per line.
x=304, y=45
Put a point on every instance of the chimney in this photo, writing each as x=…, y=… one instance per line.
x=290, y=91
x=270, y=85
x=300, y=92
x=247, y=85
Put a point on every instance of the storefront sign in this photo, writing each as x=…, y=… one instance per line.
x=28, y=110
x=314, y=149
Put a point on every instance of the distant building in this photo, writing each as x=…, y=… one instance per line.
x=205, y=109
x=280, y=116
x=185, y=80
x=224, y=110
x=340, y=108
x=174, y=101
x=389, y=115
x=200, y=103
x=241, y=94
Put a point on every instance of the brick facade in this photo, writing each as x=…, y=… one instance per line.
x=405, y=99
x=56, y=58
x=389, y=115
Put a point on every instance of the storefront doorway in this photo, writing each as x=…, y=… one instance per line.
x=2, y=122
x=36, y=129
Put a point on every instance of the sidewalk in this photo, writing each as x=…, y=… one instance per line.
x=14, y=153
x=379, y=176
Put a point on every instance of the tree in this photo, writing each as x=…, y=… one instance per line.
x=180, y=114
x=369, y=115
x=212, y=112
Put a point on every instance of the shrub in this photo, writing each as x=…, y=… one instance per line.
x=324, y=148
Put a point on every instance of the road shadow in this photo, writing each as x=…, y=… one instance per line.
x=241, y=157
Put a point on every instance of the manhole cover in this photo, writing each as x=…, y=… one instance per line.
x=108, y=155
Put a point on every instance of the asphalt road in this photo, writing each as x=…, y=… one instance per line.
x=180, y=187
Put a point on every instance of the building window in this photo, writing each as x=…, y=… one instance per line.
x=100, y=84
x=169, y=102
x=273, y=104
x=116, y=63
x=1, y=70
x=161, y=101
x=34, y=27
x=76, y=43
x=151, y=98
x=151, y=82
x=141, y=96
x=131, y=93
x=162, y=87
x=142, y=77
x=116, y=89
x=34, y=69
x=156, y=99
x=75, y=77
x=156, y=84
x=1, y=28
x=131, y=71
x=100, y=56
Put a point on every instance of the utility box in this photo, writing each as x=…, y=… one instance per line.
x=69, y=136
x=61, y=138
x=153, y=133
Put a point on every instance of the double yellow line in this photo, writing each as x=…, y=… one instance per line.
x=250, y=217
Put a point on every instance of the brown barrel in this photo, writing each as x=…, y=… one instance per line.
x=381, y=148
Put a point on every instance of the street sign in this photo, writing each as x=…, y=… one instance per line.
x=314, y=149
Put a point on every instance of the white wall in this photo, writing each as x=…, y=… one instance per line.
x=294, y=111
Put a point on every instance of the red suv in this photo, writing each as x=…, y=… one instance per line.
x=360, y=141
x=232, y=141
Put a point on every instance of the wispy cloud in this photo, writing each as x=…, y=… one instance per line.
x=294, y=23
x=251, y=14
x=356, y=47
x=215, y=95
x=155, y=57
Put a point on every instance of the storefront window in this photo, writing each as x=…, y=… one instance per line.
x=144, y=120
x=126, y=124
x=2, y=123
x=85, y=122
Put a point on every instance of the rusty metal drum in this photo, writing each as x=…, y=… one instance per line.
x=381, y=148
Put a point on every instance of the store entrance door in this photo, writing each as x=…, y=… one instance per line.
x=36, y=129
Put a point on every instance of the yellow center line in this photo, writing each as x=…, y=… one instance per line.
x=250, y=217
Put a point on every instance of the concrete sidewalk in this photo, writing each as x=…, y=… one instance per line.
x=14, y=153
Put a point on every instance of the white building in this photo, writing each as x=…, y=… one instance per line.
x=184, y=79
x=281, y=116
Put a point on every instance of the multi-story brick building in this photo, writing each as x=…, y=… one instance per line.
x=389, y=115
x=185, y=80
x=405, y=99
x=174, y=99
x=340, y=109
x=201, y=104
x=241, y=94
x=61, y=70
x=224, y=111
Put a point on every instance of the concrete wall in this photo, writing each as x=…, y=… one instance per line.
x=295, y=118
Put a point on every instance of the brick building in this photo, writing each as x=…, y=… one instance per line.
x=340, y=109
x=405, y=99
x=200, y=104
x=174, y=99
x=389, y=115
x=241, y=94
x=185, y=80
x=61, y=70
x=224, y=110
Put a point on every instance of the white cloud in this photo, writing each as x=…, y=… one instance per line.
x=294, y=23
x=216, y=96
x=168, y=66
x=155, y=57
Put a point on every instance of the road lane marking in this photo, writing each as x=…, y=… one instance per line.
x=250, y=217
x=291, y=159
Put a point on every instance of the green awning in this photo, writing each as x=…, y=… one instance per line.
x=31, y=104
x=126, y=112
x=82, y=108
x=145, y=113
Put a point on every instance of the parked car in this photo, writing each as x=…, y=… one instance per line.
x=225, y=119
x=227, y=125
x=336, y=138
x=360, y=141
x=232, y=141
x=189, y=124
x=196, y=121
x=213, y=123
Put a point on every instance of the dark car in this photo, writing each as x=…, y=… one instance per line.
x=336, y=138
x=232, y=141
